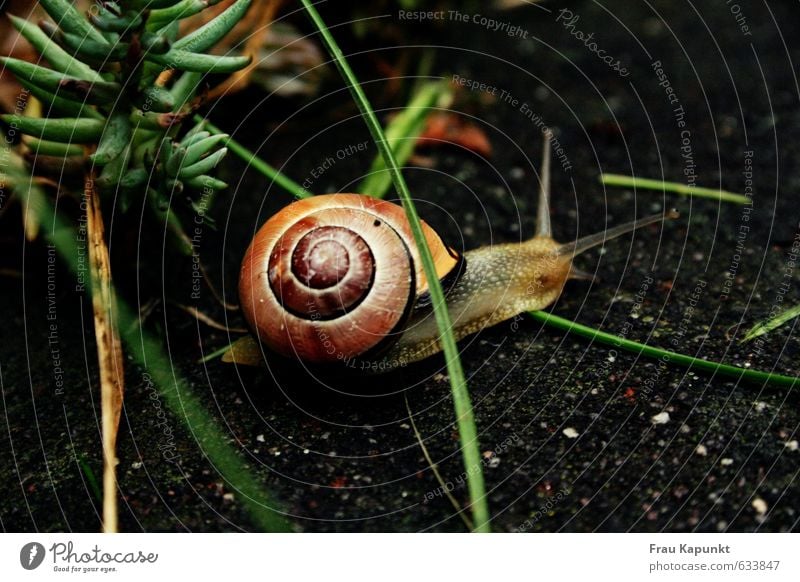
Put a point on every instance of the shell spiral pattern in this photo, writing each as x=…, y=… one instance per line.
x=333, y=277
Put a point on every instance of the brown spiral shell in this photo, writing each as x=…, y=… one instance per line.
x=335, y=276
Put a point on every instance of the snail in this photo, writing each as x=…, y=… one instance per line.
x=338, y=278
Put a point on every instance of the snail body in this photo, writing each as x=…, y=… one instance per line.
x=338, y=278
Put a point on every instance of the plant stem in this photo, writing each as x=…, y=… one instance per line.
x=257, y=163
x=109, y=350
x=461, y=400
x=675, y=187
x=667, y=356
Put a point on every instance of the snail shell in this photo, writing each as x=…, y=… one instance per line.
x=335, y=276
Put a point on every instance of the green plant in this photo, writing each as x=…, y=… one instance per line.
x=674, y=187
x=121, y=84
x=775, y=321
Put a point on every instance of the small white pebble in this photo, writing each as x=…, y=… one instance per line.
x=138, y=464
x=660, y=418
x=570, y=433
x=701, y=450
x=260, y=438
x=494, y=462
x=228, y=496
x=760, y=406
x=306, y=451
x=760, y=506
x=791, y=445
x=726, y=462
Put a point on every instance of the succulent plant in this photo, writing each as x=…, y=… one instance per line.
x=119, y=86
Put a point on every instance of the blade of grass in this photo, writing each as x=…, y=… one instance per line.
x=87, y=471
x=402, y=133
x=767, y=325
x=148, y=353
x=602, y=337
x=461, y=400
x=674, y=187
x=215, y=354
x=257, y=163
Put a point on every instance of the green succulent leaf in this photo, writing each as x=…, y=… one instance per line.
x=90, y=50
x=154, y=4
x=185, y=87
x=113, y=172
x=199, y=63
x=115, y=140
x=58, y=58
x=59, y=84
x=155, y=121
x=134, y=178
x=194, y=136
x=174, y=161
x=156, y=44
x=63, y=130
x=155, y=98
x=50, y=148
x=183, y=9
x=109, y=22
x=201, y=147
x=71, y=21
x=205, y=183
x=61, y=106
x=203, y=166
x=211, y=33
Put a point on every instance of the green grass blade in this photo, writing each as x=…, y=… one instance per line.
x=666, y=356
x=767, y=325
x=258, y=164
x=91, y=478
x=461, y=400
x=674, y=187
x=402, y=133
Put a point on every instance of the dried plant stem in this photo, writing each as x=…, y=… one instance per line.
x=109, y=350
x=208, y=320
x=435, y=469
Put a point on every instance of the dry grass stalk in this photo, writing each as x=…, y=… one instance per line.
x=109, y=351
